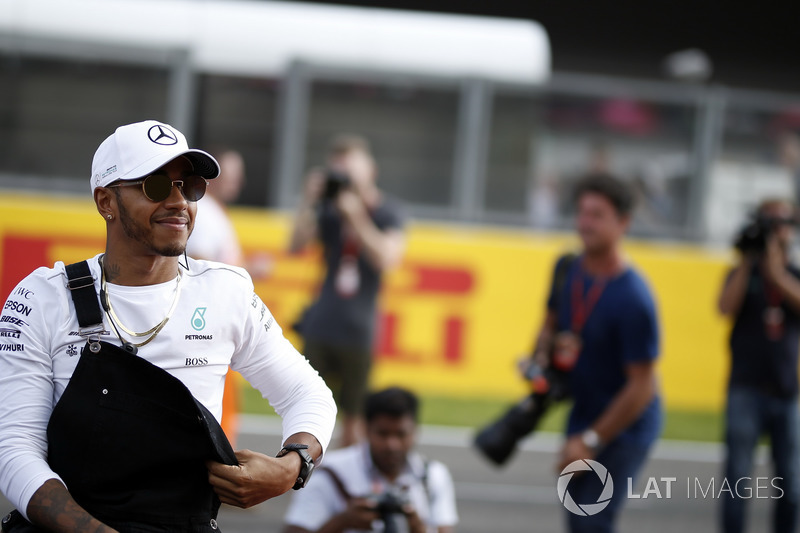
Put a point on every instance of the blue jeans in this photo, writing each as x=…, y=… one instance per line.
x=750, y=414
x=623, y=460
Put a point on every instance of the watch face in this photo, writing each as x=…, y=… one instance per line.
x=591, y=439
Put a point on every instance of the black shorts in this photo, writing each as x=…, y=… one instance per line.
x=345, y=371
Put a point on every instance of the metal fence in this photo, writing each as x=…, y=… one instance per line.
x=462, y=150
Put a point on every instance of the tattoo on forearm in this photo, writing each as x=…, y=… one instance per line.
x=53, y=508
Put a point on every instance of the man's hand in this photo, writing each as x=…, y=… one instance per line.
x=360, y=514
x=314, y=185
x=305, y=220
x=774, y=259
x=775, y=270
x=383, y=248
x=733, y=290
x=415, y=523
x=351, y=206
x=255, y=479
x=573, y=450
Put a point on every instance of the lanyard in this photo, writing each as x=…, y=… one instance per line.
x=773, y=316
x=582, y=307
x=350, y=247
x=773, y=294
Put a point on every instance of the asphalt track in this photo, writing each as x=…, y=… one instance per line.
x=521, y=496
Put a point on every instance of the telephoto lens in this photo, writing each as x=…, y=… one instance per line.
x=498, y=440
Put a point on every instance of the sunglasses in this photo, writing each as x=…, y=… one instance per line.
x=158, y=187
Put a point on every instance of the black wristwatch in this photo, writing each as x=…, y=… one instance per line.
x=307, y=466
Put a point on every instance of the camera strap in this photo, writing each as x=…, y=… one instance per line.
x=342, y=490
x=337, y=482
x=348, y=277
x=773, y=315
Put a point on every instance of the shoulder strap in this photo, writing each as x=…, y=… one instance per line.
x=337, y=481
x=81, y=285
x=562, y=270
x=424, y=480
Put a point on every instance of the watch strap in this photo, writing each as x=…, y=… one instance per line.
x=306, y=465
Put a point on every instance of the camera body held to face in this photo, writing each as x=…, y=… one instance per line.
x=335, y=182
x=752, y=238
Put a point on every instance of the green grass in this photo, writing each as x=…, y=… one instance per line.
x=476, y=412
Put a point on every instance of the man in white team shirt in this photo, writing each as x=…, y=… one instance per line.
x=113, y=445
x=381, y=484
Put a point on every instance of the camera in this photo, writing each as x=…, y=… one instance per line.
x=498, y=440
x=335, y=181
x=389, y=506
x=752, y=238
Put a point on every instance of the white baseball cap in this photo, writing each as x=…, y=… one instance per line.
x=135, y=150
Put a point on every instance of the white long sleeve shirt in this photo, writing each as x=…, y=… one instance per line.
x=219, y=321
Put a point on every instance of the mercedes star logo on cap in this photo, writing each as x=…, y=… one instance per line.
x=161, y=135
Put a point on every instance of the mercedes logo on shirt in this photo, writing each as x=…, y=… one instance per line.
x=161, y=135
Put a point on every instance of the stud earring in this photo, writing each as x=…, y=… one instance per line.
x=109, y=216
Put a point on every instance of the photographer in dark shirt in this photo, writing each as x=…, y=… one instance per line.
x=762, y=296
x=361, y=232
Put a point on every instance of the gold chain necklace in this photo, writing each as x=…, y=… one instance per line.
x=117, y=323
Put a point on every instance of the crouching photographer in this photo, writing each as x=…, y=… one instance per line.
x=761, y=294
x=381, y=484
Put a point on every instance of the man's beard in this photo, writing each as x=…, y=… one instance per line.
x=133, y=230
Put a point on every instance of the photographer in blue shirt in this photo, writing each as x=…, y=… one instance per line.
x=601, y=328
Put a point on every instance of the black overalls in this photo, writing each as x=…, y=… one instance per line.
x=129, y=439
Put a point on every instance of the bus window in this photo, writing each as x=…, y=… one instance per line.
x=56, y=111
x=239, y=113
x=411, y=130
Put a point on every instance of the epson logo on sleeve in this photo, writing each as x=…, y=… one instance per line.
x=18, y=307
